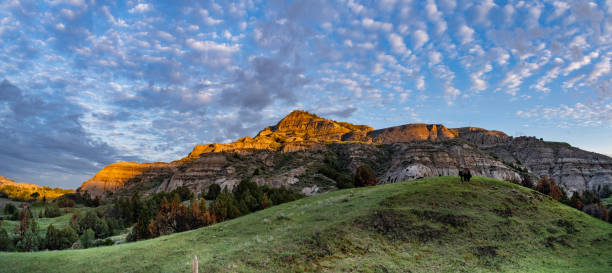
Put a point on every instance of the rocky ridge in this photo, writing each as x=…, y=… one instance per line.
x=291, y=153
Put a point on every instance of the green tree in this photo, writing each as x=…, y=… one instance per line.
x=87, y=239
x=364, y=176
x=213, y=192
x=30, y=241
x=224, y=207
x=6, y=244
x=67, y=237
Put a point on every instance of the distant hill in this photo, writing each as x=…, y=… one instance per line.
x=427, y=225
x=300, y=149
x=23, y=191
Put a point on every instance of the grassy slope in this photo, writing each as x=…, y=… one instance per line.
x=428, y=225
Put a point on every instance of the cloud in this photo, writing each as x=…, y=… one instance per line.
x=587, y=115
x=466, y=34
x=372, y=24
x=45, y=134
x=397, y=44
x=141, y=8
x=478, y=83
x=585, y=60
x=419, y=38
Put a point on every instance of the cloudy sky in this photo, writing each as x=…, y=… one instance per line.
x=86, y=83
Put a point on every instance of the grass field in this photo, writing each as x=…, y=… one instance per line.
x=427, y=225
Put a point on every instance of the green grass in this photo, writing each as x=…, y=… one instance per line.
x=427, y=225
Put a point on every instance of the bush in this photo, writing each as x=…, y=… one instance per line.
x=213, y=192
x=364, y=176
x=224, y=208
x=87, y=239
x=106, y=242
x=549, y=187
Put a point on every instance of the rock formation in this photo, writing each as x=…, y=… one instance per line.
x=290, y=154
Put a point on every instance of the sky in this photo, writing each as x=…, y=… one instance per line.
x=86, y=83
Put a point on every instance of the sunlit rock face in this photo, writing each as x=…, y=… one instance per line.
x=117, y=175
x=398, y=153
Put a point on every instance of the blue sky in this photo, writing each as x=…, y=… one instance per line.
x=87, y=83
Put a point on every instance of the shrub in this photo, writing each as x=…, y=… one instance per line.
x=183, y=192
x=213, y=192
x=87, y=239
x=106, y=242
x=364, y=176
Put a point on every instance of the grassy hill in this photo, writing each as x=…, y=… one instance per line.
x=427, y=225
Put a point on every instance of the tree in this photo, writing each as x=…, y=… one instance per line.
x=213, y=192
x=576, y=201
x=364, y=176
x=35, y=195
x=224, y=207
x=549, y=187
x=10, y=209
x=597, y=210
x=30, y=241
x=87, y=239
x=52, y=238
x=92, y=221
x=52, y=212
x=6, y=244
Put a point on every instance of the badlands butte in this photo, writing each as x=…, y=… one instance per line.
x=299, y=152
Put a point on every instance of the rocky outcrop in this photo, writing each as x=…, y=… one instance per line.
x=426, y=159
x=574, y=169
x=117, y=175
x=396, y=153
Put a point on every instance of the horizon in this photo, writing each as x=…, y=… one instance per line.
x=85, y=84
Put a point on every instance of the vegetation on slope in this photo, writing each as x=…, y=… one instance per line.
x=435, y=224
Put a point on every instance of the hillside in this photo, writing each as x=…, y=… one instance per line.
x=426, y=225
x=22, y=191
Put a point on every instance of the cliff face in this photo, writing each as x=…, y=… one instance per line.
x=290, y=153
x=575, y=169
x=117, y=175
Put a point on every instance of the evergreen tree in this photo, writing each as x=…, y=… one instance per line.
x=364, y=176
x=87, y=239
x=213, y=192
x=6, y=244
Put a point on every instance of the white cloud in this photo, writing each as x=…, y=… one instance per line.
x=397, y=44
x=208, y=19
x=419, y=38
x=435, y=57
x=466, y=34
x=435, y=16
x=372, y=24
x=585, y=60
x=600, y=69
x=547, y=78
x=580, y=114
x=211, y=46
x=482, y=11
x=420, y=83
x=141, y=8
x=478, y=83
